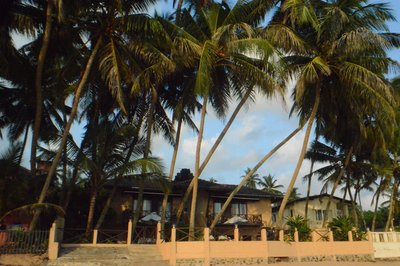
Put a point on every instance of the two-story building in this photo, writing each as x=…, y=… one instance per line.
x=316, y=209
x=250, y=207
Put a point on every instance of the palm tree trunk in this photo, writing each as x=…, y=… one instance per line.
x=178, y=11
x=391, y=205
x=74, y=110
x=353, y=206
x=21, y=153
x=375, y=210
x=38, y=84
x=308, y=191
x=65, y=160
x=74, y=177
x=118, y=180
x=107, y=205
x=212, y=150
x=335, y=185
x=225, y=130
x=171, y=174
x=92, y=204
x=248, y=175
x=139, y=206
x=301, y=157
x=192, y=218
x=361, y=211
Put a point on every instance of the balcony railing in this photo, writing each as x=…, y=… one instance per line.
x=253, y=219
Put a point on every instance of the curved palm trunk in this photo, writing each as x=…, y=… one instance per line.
x=212, y=150
x=92, y=204
x=117, y=181
x=139, y=206
x=196, y=170
x=353, y=207
x=376, y=207
x=38, y=84
x=308, y=191
x=171, y=174
x=391, y=205
x=361, y=211
x=67, y=198
x=248, y=175
x=337, y=181
x=74, y=110
x=178, y=11
x=301, y=157
x=107, y=205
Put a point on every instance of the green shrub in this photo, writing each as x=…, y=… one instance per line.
x=298, y=222
x=340, y=227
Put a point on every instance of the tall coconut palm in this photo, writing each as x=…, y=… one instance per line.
x=9, y=165
x=108, y=33
x=269, y=184
x=253, y=180
x=216, y=40
x=338, y=55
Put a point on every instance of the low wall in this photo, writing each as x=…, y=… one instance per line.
x=260, y=252
x=386, y=244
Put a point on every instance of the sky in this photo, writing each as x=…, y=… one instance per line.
x=257, y=129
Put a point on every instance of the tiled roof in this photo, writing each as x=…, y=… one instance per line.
x=179, y=188
x=316, y=197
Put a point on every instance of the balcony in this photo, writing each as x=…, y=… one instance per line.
x=252, y=219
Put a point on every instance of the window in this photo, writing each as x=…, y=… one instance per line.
x=167, y=212
x=319, y=215
x=217, y=207
x=239, y=208
x=274, y=218
x=146, y=206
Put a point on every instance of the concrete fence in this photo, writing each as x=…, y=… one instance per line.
x=386, y=244
x=208, y=252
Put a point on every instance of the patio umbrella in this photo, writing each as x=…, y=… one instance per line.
x=236, y=220
x=151, y=217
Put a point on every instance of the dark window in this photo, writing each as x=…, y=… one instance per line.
x=239, y=208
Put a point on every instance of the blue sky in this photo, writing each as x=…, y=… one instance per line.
x=258, y=128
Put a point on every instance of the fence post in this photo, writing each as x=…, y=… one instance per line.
x=95, y=232
x=330, y=236
x=206, y=246
x=280, y=235
x=129, y=237
x=236, y=233
x=314, y=236
x=172, y=257
x=350, y=236
x=53, y=245
x=263, y=234
x=60, y=223
x=369, y=236
x=296, y=235
x=158, y=239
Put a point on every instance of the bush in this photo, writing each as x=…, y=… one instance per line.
x=340, y=227
x=298, y=222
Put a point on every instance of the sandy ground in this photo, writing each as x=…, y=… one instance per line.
x=34, y=260
x=23, y=260
x=327, y=263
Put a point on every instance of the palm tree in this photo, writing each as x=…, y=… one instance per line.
x=269, y=184
x=253, y=180
x=335, y=56
x=216, y=49
x=294, y=195
x=9, y=167
x=107, y=33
